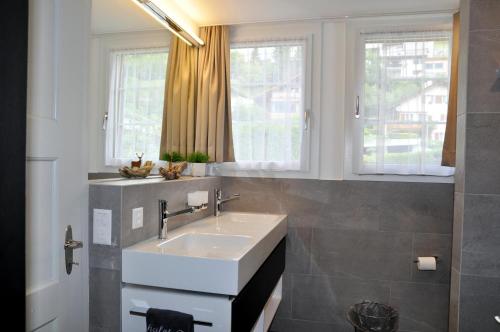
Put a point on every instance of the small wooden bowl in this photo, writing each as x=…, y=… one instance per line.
x=137, y=172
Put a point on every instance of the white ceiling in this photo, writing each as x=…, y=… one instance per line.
x=123, y=15
x=210, y=12
x=120, y=16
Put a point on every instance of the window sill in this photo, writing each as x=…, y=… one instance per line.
x=400, y=178
x=234, y=171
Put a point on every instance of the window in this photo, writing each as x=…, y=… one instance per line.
x=135, y=111
x=267, y=96
x=404, y=92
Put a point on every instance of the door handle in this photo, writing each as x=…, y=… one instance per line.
x=69, y=246
x=497, y=318
x=73, y=244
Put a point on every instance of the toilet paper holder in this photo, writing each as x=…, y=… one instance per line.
x=436, y=257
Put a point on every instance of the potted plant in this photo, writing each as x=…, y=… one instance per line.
x=173, y=157
x=198, y=162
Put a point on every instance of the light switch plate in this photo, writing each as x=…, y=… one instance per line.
x=137, y=217
x=102, y=227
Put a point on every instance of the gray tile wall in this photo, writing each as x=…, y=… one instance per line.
x=474, y=296
x=355, y=240
x=105, y=261
x=103, y=176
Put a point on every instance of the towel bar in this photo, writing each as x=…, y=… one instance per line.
x=196, y=322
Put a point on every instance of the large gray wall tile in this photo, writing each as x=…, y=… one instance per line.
x=483, y=91
x=484, y=15
x=422, y=307
x=482, y=223
x=454, y=303
x=457, y=231
x=105, y=299
x=479, y=303
x=326, y=299
x=482, y=150
x=417, y=207
x=105, y=257
x=296, y=325
x=481, y=239
x=481, y=235
x=332, y=204
x=257, y=194
x=362, y=254
x=103, y=176
x=298, y=250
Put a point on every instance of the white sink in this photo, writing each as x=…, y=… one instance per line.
x=206, y=245
x=214, y=255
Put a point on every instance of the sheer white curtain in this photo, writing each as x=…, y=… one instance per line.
x=403, y=100
x=267, y=94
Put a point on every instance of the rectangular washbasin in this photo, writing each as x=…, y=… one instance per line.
x=206, y=245
x=214, y=255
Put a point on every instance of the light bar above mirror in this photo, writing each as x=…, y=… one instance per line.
x=158, y=10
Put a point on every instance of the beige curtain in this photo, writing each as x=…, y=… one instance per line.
x=450, y=136
x=197, y=112
x=179, y=110
x=213, y=113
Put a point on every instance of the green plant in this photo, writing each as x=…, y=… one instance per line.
x=174, y=157
x=198, y=157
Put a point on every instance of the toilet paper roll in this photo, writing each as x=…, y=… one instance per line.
x=426, y=263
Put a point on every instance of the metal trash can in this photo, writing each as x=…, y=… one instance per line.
x=373, y=317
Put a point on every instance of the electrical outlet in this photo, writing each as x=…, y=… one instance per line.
x=137, y=217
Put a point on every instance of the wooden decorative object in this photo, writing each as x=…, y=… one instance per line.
x=173, y=171
x=137, y=172
x=137, y=163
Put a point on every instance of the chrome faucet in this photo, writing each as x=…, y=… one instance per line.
x=164, y=215
x=218, y=200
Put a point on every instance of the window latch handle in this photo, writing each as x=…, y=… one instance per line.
x=105, y=121
x=306, y=120
x=356, y=113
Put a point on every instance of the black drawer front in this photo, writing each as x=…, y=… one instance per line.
x=248, y=305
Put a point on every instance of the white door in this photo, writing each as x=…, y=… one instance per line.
x=56, y=164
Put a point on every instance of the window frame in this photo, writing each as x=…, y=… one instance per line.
x=111, y=132
x=304, y=164
x=354, y=87
x=310, y=33
x=101, y=47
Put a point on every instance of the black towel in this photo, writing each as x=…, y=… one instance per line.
x=158, y=320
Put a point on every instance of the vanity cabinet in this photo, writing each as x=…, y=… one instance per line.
x=251, y=310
